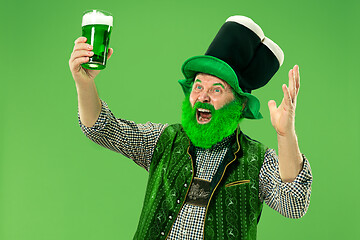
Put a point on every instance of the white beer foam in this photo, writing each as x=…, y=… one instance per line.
x=95, y=17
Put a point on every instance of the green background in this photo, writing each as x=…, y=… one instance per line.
x=57, y=184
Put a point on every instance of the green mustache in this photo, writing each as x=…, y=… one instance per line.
x=207, y=106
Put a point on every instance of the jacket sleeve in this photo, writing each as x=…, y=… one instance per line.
x=134, y=141
x=291, y=199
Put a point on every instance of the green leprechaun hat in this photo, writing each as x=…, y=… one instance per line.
x=241, y=55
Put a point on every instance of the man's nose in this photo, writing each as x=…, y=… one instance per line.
x=204, y=96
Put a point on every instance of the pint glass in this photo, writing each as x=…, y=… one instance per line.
x=96, y=27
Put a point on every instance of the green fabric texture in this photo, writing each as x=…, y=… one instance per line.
x=235, y=209
x=214, y=66
x=232, y=211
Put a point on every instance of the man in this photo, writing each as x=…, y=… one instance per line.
x=207, y=179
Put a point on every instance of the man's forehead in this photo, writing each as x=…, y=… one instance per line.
x=204, y=77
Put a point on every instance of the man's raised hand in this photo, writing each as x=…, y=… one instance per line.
x=283, y=117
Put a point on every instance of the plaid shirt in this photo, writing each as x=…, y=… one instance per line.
x=137, y=142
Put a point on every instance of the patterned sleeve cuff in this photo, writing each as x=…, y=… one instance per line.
x=291, y=199
x=100, y=122
x=301, y=186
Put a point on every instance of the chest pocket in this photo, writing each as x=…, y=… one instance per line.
x=237, y=183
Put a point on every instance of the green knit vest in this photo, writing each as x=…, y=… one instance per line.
x=234, y=206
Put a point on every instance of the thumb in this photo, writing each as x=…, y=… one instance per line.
x=110, y=52
x=272, y=106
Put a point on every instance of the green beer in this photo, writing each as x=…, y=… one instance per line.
x=96, y=27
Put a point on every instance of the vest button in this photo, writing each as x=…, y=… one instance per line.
x=178, y=201
x=185, y=185
x=170, y=217
x=162, y=233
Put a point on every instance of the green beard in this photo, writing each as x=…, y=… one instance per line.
x=224, y=122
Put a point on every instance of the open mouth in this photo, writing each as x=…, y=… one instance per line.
x=203, y=116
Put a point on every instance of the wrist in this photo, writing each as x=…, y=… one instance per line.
x=289, y=135
x=84, y=84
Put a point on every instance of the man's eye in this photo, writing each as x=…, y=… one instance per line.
x=217, y=90
x=198, y=87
